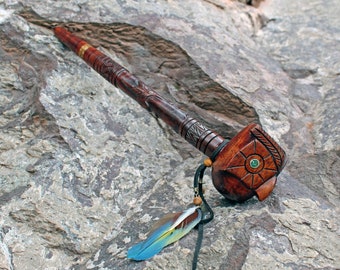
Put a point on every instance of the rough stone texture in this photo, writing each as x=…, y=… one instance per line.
x=85, y=171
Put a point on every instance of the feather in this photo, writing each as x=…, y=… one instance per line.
x=166, y=231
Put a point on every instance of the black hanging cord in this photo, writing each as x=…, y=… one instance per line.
x=198, y=246
x=207, y=212
x=218, y=149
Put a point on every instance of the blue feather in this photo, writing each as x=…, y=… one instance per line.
x=172, y=228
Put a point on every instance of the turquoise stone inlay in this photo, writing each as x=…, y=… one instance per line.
x=254, y=163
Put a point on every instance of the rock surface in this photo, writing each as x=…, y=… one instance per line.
x=85, y=171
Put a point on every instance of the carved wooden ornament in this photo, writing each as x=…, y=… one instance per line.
x=246, y=166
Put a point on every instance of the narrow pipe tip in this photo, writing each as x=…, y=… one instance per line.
x=58, y=30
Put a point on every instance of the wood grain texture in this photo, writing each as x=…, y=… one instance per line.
x=190, y=129
x=248, y=165
x=169, y=69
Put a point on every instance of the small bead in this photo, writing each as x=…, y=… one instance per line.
x=197, y=201
x=207, y=162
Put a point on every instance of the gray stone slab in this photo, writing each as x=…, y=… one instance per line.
x=85, y=171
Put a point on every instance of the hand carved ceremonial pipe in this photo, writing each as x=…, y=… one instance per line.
x=245, y=166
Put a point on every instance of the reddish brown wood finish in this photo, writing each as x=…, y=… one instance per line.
x=191, y=130
x=246, y=166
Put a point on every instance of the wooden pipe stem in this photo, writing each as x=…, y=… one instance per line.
x=246, y=166
x=190, y=129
